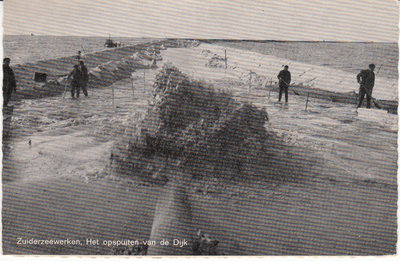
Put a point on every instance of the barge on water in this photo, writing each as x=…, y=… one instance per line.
x=111, y=44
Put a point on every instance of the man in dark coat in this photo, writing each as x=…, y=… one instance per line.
x=84, y=77
x=366, y=79
x=76, y=80
x=9, y=83
x=284, y=82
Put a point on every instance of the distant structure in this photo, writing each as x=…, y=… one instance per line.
x=111, y=44
x=32, y=34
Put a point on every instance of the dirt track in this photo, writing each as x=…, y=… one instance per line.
x=344, y=204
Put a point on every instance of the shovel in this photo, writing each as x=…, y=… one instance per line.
x=288, y=85
x=372, y=98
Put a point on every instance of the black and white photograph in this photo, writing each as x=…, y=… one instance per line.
x=200, y=128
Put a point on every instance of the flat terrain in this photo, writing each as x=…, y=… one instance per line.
x=346, y=56
x=344, y=202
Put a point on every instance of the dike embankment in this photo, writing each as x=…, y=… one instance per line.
x=105, y=67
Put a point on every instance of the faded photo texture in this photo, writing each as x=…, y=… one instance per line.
x=200, y=127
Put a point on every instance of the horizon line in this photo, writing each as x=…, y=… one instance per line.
x=207, y=39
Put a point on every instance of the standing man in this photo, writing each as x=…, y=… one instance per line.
x=9, y=83
x=76, y=80
x=284, y=82
x=366, y=79
x=84, y=77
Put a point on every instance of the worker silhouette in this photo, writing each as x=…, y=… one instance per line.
x=366, y=79
x=76, y=81
x=284, y=82
x=9, y=82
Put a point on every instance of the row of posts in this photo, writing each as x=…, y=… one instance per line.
x=226, y=66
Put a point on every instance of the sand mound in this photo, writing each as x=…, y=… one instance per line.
x=207, y=130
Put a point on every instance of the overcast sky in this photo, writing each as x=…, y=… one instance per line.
x=351, y=20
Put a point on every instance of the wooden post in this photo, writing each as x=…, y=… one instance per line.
x=226, y=62
x=144, y=80
x=308, y=95
x=250, y=81
x=133, y=89
x=269, y=93
x=112, y=91
x=226, y=65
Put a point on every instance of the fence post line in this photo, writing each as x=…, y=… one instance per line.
x=144, y=80
x=226, y=61
x=112, y=93
x=133, y=89
x=308, y=95
x=250, y=81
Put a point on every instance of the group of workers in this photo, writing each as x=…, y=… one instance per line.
x=79, y=80
x=366, y=79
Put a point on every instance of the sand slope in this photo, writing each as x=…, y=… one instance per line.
x=240, y=62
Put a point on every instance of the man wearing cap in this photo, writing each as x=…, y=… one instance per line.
x=9, y=83
x=366, y=79
x=284, y=82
